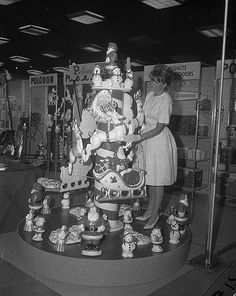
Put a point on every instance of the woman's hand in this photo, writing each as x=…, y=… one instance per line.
x=132, y=138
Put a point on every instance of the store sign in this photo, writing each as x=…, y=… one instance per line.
x=229, y=69
x=80, y=74
x=185, y=95
x=188, y=71
x=43, y=80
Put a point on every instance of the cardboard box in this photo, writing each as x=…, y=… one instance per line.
x=186, y=177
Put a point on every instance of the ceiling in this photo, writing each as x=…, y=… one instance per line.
x=167, y=35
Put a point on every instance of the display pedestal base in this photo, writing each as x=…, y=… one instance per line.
x=110, y=272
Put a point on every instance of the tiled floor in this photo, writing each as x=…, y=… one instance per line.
x=195, y=282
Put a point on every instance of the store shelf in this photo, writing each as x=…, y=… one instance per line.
x=192, y=159
x=191, y=189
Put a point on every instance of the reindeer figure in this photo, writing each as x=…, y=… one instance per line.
x=77, y=149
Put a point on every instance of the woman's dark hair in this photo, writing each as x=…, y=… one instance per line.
x=161, y=72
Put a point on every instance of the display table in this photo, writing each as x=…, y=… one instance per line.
x=15, y=186
x=72, y=269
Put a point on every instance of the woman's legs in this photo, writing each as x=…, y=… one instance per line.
x=156, y=194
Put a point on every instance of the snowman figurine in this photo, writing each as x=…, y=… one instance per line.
x=66, y=200
x=116, y=78
x=156, y=239
x=39, y=229
x=128, y=219
x=129, y=82
x=128, y=245
x=97, y=79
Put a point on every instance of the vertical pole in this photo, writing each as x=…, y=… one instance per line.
x=208, y=252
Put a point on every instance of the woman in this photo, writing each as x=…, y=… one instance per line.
x=160, y=152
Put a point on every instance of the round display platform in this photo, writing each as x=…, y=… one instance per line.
x=108, y=270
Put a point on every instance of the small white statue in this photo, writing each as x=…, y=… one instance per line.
x=61, y=240
x=129, y=82
x=29, y=223
x=39, y=229
x=136, y=205
x=46, y=208
x=174, y=233
x=97, y=79
x=156, y=239
x=128, y=245
x=128, y=219
x=116, y=78
x=66, y=200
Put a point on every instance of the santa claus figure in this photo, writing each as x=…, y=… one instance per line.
x=111, y=56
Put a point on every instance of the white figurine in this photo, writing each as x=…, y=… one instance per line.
x=39, y=229
x=128, y=245
x=66, y=200
x=116, y=78
x=174, y=233
x=29, y=224
x=61, y=240
x=156, y=239
x=46, y=209
x=97, y=79
x=129, y=82
x=128, y=219
x=136, y=205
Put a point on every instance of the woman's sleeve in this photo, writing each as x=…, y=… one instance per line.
x=165, y=111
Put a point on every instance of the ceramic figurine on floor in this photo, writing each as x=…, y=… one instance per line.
x=128, y=245
x=36, y=197
x=60, y=244
x=93, y=226
x=174, y=233
x=66, y=200
x=128, y=219
x=46, y=208
x=29, y=221
x=39, y=229
x=156, y=240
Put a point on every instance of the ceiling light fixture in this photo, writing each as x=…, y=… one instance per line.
x=34, y=72
x=91, y=47
x=51, y=54
x=213, y=31
x=86, y=17
x=4, y=40
x=161, y=4
x=34, y=30
x=8, y=2
x=143, y=40
x=19, y=59
x=1, y=64
x=61, y=69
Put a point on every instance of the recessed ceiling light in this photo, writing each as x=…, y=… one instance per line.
x=143, y=40
x=4, y=40
x=91, y=47
x=19, y=59
x=213, y=31
x=51, y=54
x=161, y=4
x=61, y=69
x=86, y=17
x=34, y=30
x=34, y=72
x=8, y=2
x=1, y=64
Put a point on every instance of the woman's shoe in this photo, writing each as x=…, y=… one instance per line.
x=143, y=218
x=151, y=226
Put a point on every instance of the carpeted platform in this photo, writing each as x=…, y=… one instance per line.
x=9, y=253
